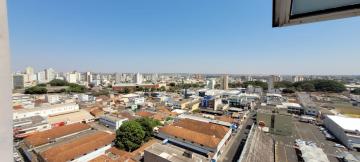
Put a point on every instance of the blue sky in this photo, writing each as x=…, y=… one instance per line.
x=197, y=36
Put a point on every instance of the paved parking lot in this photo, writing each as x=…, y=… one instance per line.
x=305, y=131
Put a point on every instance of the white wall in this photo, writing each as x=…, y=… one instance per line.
x=337, y=131
x=93, y=154
x=45, y=112
x=222, y=143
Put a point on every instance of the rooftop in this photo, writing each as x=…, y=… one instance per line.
x=78, y=147
x=346, y=123
x=43, y=108
x=193, y=136
x=203, y=127
x=202, y=133
x=144, y=113
x=44, y=137
x=71, y=117
x=173, y=153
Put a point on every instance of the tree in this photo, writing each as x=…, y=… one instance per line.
x=320, y=85
x=257, y=83
x=162, y=88
x=58, y=82
x=76, y=88
x=102, y=92
x=139, y=89
x=308, y=87
x=356, y=91
x=288, y=90
x=42, y=85
x=126, y=90
x=172, y=84
x=283, y=84
x=329, y=86
x=36, y=90
x=147, y=125
x=235, y=85
x=129, y=136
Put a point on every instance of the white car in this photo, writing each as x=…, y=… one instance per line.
x=339, y=145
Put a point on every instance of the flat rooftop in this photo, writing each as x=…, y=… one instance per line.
x=43, y=108
x=346, y=123
x=173, y=153
x=71, y=117
x=29, y=122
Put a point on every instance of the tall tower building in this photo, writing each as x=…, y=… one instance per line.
x=138, y=78
x=270, y=84
x=88, y=77
x=211, y=84
x=29, y=74
x=29, y=70
x=297, y=78
x=41, y=77
x=117, y=78
x=18, y=81
x=50, y=74
x=225, y=82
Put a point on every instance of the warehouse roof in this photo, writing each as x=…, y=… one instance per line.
x=77, y=148
x=193, y=136
x=74, y=117
x=346, y=123
x=44, y=137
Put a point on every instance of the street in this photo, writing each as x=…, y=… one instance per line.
x=234, y=148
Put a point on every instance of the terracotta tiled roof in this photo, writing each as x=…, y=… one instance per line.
x=144, y=114
x=225, y=119
x=189, y=135
x=127, y=115
x=121, y=153
x=18, y=107
x=77, y=148
x=125, y=156
x=143, y=147
x=102, y=158
x=205, y=128
x=44, y=137
x=159, y=116
x=97, y=112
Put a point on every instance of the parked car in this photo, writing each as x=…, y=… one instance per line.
x=339, y=146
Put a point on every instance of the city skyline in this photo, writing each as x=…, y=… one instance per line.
x=196, y=37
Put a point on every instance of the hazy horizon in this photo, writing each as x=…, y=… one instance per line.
x=217, y=37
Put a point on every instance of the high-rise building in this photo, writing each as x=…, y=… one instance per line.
x=117, y=78
x=276, y=78
x=18, y=81
x=88, y=77
x=154, y=77
x=225, y=82
x=50, y=74
x=71, y=77
x=29, y=75
x=249, y=78
x=270, y=85
x=41, y=77
x=210, y=84
x=297, y=78
x=29, y=70
x=138, y=78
